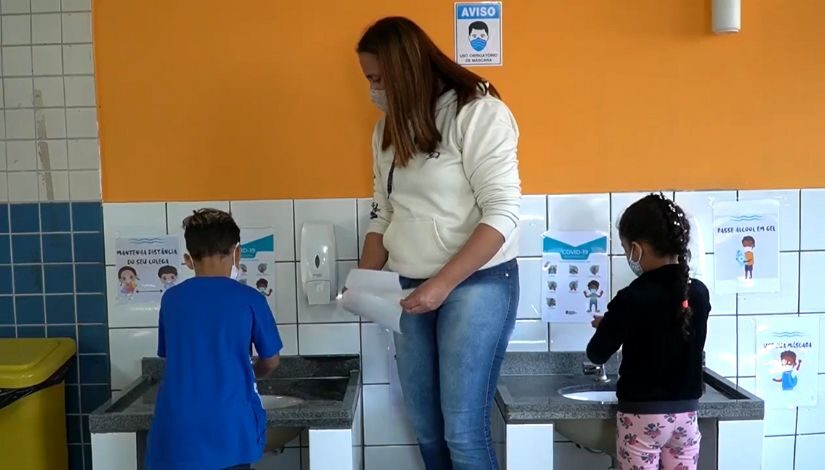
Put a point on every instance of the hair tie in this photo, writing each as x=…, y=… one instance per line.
x=685, y=304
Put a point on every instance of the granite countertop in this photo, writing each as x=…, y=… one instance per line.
x=328, y=385
x=528, y=391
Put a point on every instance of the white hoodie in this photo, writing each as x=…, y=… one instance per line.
x=438, y=200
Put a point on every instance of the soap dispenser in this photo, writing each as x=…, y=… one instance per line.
x=318, y=269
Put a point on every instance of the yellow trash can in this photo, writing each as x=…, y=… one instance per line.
x=32, y=403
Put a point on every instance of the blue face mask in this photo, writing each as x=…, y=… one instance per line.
x=478, y=44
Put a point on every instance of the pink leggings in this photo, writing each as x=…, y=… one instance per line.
x=654, y=442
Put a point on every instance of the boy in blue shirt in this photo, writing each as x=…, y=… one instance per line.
x=208, y=415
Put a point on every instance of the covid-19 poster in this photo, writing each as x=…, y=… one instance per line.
x=746, y=246
x=257, y=263
x=787, y=360
x=575, y=276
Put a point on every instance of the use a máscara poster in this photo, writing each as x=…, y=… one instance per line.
x=787, y=360
x=575, y=276
x=146, y=267
x=746, y=244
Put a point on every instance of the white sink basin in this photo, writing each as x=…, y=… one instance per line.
x=593, y=395
x=274, y=402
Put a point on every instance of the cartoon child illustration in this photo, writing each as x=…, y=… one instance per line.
x=478, y=33
x=128, y=280
x=168, y=276
x=594, y=294
x=790, y=366
x=551, y=302
x=263, y=287
x=552, y=286
x=574, y=286
x=594, y=270
x=573, y=270
x=550, y=268
x=748, y=244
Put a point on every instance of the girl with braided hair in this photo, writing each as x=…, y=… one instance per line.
x=660, y=322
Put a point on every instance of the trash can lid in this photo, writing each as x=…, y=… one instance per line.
x=26, y=362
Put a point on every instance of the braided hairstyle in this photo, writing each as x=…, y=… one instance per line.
x=662, y=224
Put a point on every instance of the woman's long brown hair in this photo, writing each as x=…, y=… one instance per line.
x=415, y=73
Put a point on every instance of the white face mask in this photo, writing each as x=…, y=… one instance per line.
x=379, y=99
x=235, y=273
x=748, y=249
x=635, y=265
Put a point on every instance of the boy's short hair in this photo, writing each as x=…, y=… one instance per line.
x=164, y=270
x=210, y=232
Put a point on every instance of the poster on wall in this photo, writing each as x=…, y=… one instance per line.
x=146, y=267
x=478, y=34
x=746, y=243
x=787, y=361
x=257, y=263
x=575, y=276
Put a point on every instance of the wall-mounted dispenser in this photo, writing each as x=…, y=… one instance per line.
x=318, y=269
x=727, y=16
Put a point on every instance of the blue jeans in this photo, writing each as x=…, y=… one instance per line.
x=448, y=363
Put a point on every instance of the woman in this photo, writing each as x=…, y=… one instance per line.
x=445, y=214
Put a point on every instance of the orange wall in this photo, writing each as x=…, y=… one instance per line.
x=202, y=100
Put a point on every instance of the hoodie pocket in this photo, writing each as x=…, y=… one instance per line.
x=415, y=244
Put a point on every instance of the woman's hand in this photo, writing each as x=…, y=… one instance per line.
x=427, y=297
x=597, y=319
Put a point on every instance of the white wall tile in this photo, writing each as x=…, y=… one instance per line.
x=84, y=154
x=18, y=92
x=812, y=418
x=809, y=452
x=532, y=223
x=58, y=155
x=49, y=91
x=50, y=123
x=340, y=213
x=4, y=187
x=570, y=336
x=20, y=124
x=318, y=339
x=620, y=274
x=813, y=219
x=811, y=281
x=619, y=202
x=720, y=351
x=45, y=6
x=740, y=444
x=23, y=187
x=47, y=60
x=80, y=91
x=699, y=205
x=127, y=347
x=289, y=336
x=529, y=335
x=53, y=186
x=16, y=30
x=385, y=422
x=286, y=308
x=177, y=211
x=394, y=457
x=21, y=155
x=375, y=353
x=747, y=341
x=77, y=5
x=363, y=207
x=530, y=297
x=77, y=59
x=81, y=122
x=786, y=301
x=18, y=60
x=77, y=27
x=46, y=29
x=788, y=214
x=131, y=220
x=276, y=215
x=579, y=212
x=14, y=6
x=115, y=450
x=721, y=304
x=332, y=312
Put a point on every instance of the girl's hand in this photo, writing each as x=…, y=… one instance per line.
x=597, y=319
x=427, y=297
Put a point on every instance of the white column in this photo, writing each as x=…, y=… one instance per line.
x=740, y=445
x=529, y=446
x=331, y=448
x=115, y=450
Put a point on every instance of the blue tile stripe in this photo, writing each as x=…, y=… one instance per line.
x=52, y=284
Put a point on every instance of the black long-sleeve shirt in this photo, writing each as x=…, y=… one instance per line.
x=661, y=370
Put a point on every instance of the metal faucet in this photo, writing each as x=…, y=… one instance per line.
x=598, y=370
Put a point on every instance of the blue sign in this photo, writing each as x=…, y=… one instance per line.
x=478, y=33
